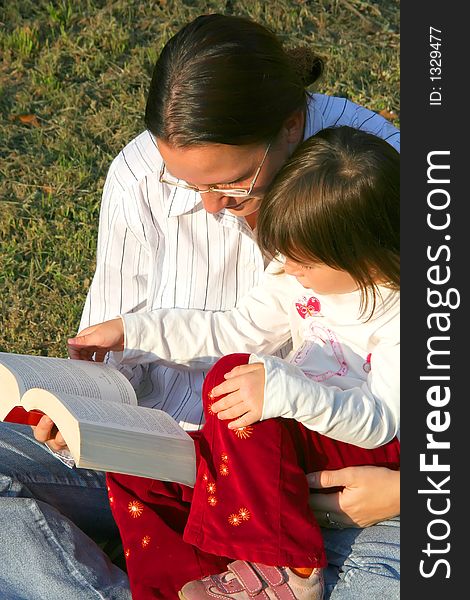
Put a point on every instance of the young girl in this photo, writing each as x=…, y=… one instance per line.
x=333, y=213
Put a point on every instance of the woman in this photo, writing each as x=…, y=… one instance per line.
x=226, y=108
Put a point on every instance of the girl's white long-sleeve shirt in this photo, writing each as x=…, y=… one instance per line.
x=341, y=378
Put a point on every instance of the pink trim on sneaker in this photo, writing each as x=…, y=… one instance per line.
x=272, y=575
x=250, y=580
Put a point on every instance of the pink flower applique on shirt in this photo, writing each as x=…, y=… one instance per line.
x=308, y=307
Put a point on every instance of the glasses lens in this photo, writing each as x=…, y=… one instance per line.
x=167, y=177
x=231, y=193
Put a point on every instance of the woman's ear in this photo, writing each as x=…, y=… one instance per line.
x=294, y=127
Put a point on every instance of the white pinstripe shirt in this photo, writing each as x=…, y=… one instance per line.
x=158, y=248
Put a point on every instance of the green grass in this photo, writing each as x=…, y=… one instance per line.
x=82, y=68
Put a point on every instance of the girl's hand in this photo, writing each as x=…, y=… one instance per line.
x=370, y=495
x=93, y=343
x=244, y=387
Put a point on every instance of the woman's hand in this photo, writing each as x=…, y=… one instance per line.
x=370, y=495
x=244, y=387
x=46, y=432
x=93, y=343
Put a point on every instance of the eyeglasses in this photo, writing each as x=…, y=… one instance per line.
x=166, y=177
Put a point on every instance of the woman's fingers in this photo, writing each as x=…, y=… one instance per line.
x=47, y=433
x=329, y=479
x=42, y=431
x=57, y=443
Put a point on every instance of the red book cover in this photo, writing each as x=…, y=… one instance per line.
x=20, y=415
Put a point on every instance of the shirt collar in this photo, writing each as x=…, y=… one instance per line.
x=227, y=219
x=180, y=202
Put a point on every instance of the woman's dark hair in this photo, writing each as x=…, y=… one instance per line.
x=226, y=79
x=336, y=201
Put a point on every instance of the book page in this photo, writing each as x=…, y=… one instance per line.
x=67, y=376
x=9, y=392
x=111, y=415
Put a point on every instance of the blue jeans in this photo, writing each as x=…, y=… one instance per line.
x=50, y=513
x=363, y=563
x=47, y=514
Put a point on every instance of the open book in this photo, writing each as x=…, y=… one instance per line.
x=95, y=408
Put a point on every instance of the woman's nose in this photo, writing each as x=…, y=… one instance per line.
x=214, y=202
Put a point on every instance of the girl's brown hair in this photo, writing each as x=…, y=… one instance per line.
x=336, y=201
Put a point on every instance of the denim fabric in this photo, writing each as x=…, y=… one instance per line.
x=367, y=562
x=47, y=514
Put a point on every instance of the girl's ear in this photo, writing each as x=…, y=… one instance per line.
x=293, y=127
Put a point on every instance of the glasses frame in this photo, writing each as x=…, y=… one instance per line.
x=231, y=192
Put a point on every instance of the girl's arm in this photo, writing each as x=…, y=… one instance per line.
x=195, y=338
x=367, y=416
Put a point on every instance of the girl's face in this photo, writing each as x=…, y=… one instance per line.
x=225, y=166
x=321, y=278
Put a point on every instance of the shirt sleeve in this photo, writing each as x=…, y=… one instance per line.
x=335, y=112
x=119, y=283
x=121, y=259
x=196, y=338
x=367, y=416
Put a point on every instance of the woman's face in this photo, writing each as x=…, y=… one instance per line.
x=226, y=166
